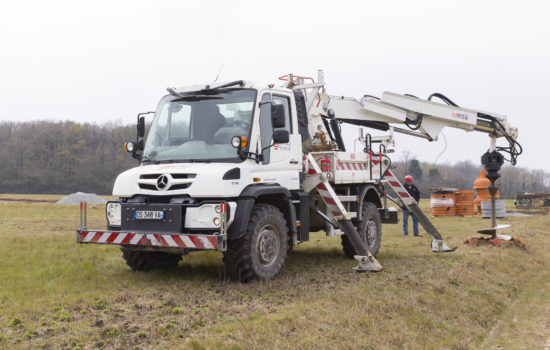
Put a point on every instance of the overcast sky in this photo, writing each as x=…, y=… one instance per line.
x=98, y=61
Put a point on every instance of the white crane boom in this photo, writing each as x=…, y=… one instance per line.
x=424, y=118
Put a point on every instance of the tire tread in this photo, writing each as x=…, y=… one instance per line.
x=238, y=256
x=140, y=260
x=347, y=247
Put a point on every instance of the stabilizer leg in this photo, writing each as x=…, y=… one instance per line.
x=438, y=245
x=319, y=180
x=367, y=261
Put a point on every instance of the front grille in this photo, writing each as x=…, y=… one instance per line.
x=179, y=187
x=184, y=176
x=178, y=182
x=149, y=176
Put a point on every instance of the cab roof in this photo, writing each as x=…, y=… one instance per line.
x=245, y=84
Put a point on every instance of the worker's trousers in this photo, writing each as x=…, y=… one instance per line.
x=406, y=214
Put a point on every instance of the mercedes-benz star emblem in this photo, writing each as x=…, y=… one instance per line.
x=162, y=182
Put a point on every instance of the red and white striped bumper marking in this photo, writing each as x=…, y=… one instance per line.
x=150, y=239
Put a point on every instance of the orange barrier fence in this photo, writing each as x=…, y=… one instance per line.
x=442, y=203
x=464, y=203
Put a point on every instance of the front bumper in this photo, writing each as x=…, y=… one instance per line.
x=150, y=239
x=144, y=239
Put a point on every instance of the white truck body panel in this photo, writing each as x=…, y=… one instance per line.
x=208, y=181
x=350, y=168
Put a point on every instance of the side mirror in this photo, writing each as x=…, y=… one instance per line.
x=280, y=136
x=141, y=127
x=277, y=116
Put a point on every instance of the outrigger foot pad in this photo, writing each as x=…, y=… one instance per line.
x=367, y=264
x=438, y=246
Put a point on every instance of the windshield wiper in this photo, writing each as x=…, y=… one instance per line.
x=199, y=160
x=148, y=160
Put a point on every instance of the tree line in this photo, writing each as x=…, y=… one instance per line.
x=66, y=157
x=62, y=157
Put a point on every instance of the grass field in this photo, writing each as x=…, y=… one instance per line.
x=56, y=294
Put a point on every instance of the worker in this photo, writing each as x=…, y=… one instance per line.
x=207, y=121
x=415, y=193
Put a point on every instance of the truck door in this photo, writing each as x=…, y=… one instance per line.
x=282, y=162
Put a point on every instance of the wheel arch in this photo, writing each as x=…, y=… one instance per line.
x=275, y=195
x=368, y=193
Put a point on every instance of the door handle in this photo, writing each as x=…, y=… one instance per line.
x=292, y=161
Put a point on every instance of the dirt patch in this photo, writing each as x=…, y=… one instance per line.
x=495, y=242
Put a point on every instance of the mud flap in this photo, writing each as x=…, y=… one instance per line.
x=367, y=261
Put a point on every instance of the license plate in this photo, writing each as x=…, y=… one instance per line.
x=149, y=215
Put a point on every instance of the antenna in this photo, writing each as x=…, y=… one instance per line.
x=217, y=76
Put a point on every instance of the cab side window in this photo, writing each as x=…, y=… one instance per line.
x=282, y=100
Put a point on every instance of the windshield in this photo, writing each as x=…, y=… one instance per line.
x=199, y=127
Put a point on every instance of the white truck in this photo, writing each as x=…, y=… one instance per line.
x=250, y=170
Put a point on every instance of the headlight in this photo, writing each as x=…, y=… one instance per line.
x=113, y=213
x=236, y=141
x=216, y=221
x=129, y=146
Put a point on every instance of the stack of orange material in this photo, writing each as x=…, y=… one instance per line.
x=442, y=203
x=481, y=185
x=464, y=203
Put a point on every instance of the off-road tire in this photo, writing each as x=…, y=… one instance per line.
x=260, y=252
x=371, y=220
x=140, y=260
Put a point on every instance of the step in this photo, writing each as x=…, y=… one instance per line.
x=347, y=198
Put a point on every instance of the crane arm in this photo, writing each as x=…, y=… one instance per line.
x=422, y=117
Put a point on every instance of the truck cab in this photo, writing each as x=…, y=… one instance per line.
x=216, y=164
x=194, y=130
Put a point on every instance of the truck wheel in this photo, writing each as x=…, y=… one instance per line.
x=140, y=260
x=369, y=229
x=261, y=252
